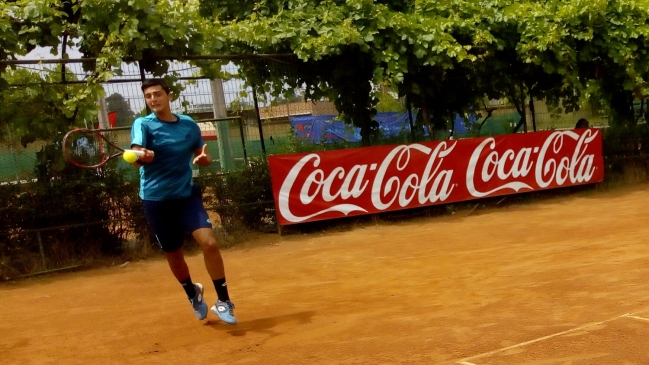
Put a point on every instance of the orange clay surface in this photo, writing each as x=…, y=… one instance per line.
x=558, y=281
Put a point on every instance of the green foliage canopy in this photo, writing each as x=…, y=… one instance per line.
x=599, y=47
x=113, y=31
x=444, y=56
x=39, y=108
x=448, y=56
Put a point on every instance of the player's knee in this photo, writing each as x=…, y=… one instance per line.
x=210, y=245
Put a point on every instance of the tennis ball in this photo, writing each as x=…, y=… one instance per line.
x=129, y=156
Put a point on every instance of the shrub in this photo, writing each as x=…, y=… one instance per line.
x=242, y=197
x=67, y=215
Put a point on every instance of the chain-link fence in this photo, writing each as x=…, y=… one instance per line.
x=54, y=215
x=246, y=124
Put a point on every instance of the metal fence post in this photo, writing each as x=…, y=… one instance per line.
x=103, y=114
x=142, y=79
x=261, y=130
x=222, y=127
x=40, y=248
x=243, y=140
x=412, y=126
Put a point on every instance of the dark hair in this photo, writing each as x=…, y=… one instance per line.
x=582, y=123
x=155, y=82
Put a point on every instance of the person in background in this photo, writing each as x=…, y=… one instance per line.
x=582, y=123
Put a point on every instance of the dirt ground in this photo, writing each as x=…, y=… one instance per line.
x=559, y=281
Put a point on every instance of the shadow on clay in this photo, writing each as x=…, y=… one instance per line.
x=263, y=325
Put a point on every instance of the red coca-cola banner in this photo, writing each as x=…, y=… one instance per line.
x=324, y=185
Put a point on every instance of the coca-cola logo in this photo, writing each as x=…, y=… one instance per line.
x=577, y=167
x=395, y=177
x=323, y=186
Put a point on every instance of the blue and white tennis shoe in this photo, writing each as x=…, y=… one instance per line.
x=198, y=304
x=225, y=311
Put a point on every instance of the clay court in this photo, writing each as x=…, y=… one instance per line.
x=558, y=281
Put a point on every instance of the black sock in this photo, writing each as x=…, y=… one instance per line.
x=189, y=287
x=221, y=289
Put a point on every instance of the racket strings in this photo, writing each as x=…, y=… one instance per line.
x=87, y=149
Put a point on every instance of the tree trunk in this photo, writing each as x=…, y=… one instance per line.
x=426, y=119
x=533, y=113
x=489, y=113
x=520, y=107
x=63, y=52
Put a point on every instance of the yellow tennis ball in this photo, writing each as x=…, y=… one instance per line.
x=129, y=156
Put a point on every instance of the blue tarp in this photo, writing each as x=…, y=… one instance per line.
x=318, y=128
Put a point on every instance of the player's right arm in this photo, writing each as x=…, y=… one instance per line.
x=138, y=140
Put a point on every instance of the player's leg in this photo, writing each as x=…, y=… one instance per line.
x=165, y=223
x=206, y=239
x=223, y=307
x=197, y=221
x=178, y=265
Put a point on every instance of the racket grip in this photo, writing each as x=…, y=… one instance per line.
x=136, y=152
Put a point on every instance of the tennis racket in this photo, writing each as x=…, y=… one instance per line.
x=93, y=148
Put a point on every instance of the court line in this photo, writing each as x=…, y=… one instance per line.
x=465, y=361
x=636, y=317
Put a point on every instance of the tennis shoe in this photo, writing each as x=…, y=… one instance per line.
x=225, y=311
x=198, y=304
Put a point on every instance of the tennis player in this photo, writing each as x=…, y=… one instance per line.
x=172, y=203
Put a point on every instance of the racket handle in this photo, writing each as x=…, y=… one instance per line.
x=136, y=152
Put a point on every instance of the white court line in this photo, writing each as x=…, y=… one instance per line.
x=636, y=317
x=465, y=360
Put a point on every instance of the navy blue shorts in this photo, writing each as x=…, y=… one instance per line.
x=170, y=220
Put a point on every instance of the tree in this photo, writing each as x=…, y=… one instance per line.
x=38, y=109
x=140, y=30
x=343, y=48
x=444, y=56
x=113, y=32
x=330, y=55
x=240, y=104
x=388, y=100
x=504, y=72
x=286, y=99
x=117, y=103
x=25, y=24
x=598, y=48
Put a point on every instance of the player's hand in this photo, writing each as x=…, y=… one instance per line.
x=148, y=155
x=202, y=158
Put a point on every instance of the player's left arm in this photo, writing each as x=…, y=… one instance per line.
x=203, y=157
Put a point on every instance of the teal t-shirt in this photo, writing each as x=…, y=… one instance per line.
x=169, y=175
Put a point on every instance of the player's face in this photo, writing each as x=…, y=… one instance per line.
x=157, y=99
